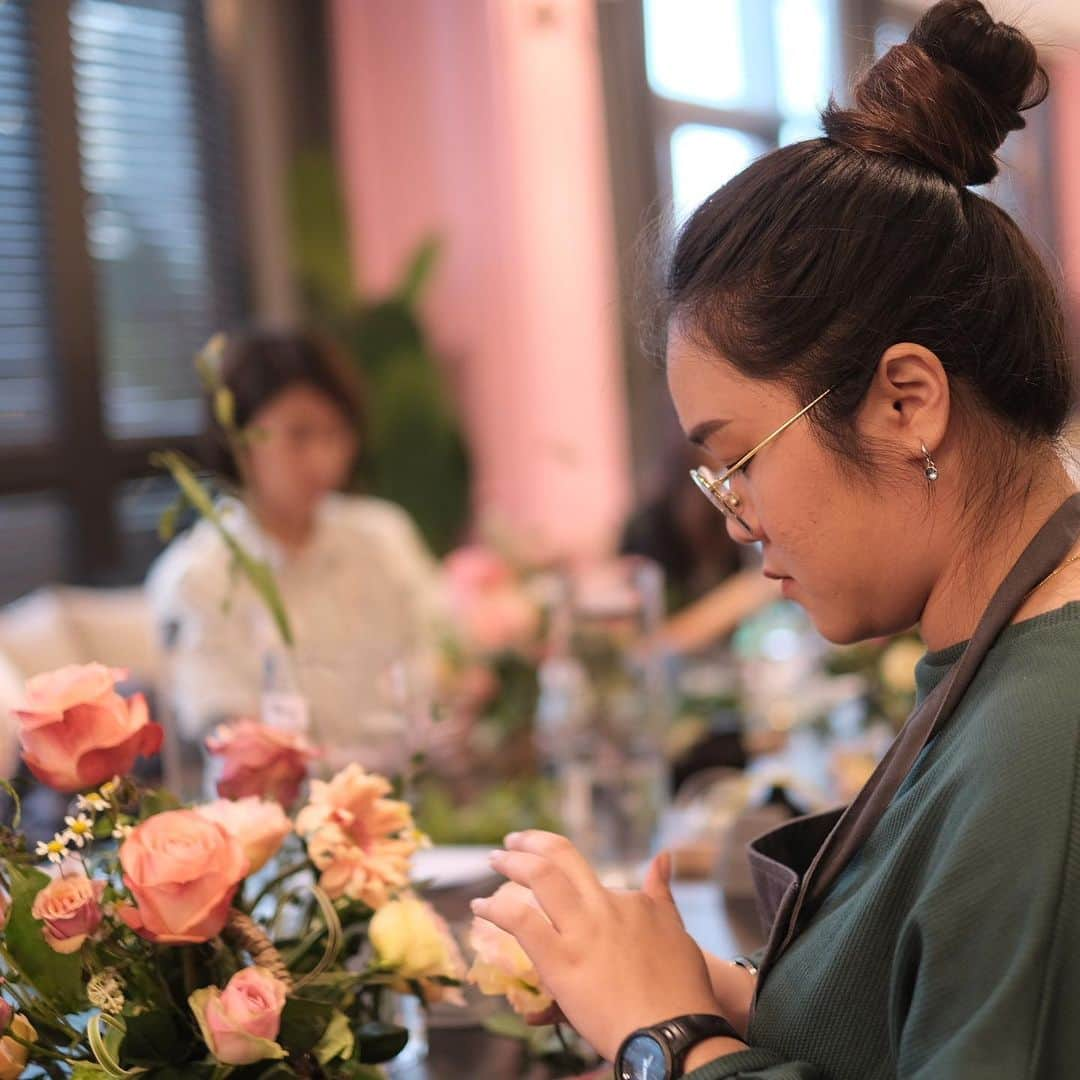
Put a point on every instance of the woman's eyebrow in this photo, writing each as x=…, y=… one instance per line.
x=700, y=433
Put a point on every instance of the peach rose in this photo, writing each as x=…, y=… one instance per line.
x=361, y=841
x=261, y=760
x=240, y=1023
x=501, y=966
x=260, y=825
x=13, y=1055
x=77, y=732
x=412, y=940
x=70, y=908
x=183, y=871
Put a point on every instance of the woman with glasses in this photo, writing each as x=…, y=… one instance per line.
x=875, y=360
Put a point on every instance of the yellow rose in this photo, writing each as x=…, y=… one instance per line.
x=501, y=967
x=413, y=941
x=13, y=1055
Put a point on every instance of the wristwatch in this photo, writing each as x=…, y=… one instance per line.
x=658, y=1052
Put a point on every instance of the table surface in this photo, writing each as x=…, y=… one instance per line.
x=723, y=926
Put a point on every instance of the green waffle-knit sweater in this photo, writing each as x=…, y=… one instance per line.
x=949, y=948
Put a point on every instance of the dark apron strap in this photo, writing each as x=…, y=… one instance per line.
x=1050, y=545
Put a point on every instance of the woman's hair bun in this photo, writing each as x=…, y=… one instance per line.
x=947, y=97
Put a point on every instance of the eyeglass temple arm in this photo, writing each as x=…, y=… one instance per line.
x=765, y=442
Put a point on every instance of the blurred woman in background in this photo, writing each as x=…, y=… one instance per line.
x=358, y=584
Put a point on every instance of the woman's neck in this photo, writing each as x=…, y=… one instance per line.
x=291, y=530
x=976, y=565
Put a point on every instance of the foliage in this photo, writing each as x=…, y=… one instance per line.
x=413, y=452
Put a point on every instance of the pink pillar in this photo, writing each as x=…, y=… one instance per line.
x=482, y=121
x=1065, y=98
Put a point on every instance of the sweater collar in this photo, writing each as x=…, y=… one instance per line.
x=934, y=666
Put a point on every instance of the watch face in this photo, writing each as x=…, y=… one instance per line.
x=643, y=1058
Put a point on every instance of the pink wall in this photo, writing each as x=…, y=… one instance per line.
x=1065, y=98
x=482, y=120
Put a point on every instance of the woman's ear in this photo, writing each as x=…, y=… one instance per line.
x=908, y=402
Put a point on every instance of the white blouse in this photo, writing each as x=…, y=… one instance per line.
x=363, y=601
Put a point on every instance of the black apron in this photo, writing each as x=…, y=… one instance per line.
x=795, y=865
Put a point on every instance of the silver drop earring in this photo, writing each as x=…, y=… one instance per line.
x=931, y=468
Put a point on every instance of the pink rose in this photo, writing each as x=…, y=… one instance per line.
x=70, y=908
x=491, y=610
x=183, y=872
x=260, y=826
x=502, y=967
x=77, y=732
x=261, y=760
x=475, y=568
x=240, y=1023
x=361, y=841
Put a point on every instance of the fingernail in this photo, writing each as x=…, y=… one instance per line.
x=496, y=855
x=477, y=905
x=510, y=837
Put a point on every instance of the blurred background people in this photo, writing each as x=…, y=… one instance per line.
x=358, y=584
x=712, y=584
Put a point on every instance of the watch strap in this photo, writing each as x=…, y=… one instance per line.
x=681, y=1034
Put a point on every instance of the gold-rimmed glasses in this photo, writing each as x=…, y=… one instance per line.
x=717, y=488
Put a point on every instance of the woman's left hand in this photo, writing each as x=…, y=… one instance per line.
x=613, y=961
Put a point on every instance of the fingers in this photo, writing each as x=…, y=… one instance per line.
x=511, y=912
x=657, y=884
x=562, y=853
x=554, y=891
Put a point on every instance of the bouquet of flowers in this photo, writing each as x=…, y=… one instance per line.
x=229, y=939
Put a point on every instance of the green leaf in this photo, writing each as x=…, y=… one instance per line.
x=157, y=801
x=83, y=1070
x=380, y=1042
x=256, y=571
x=303, y=1024
x=151, y=1039
x=55, y=976
x=337, y=1040
x=418, y=271
x=225, y=408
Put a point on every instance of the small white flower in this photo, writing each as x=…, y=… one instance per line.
x=93, y=802
x=122, y=832
x=79, y=830
x=109, y=787
x=54, y=850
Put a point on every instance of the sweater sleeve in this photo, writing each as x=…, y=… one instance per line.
x=756, y=1064
x=985, y=978
x=982, y=978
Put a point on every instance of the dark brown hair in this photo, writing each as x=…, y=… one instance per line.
x=808, y=265
x=258, y=364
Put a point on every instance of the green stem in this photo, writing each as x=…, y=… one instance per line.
x=274, y=882
x=39, y=1048
x=191, y=976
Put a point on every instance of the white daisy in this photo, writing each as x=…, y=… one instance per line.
x=93, y=802
x=79, y=830
x=54, y=850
